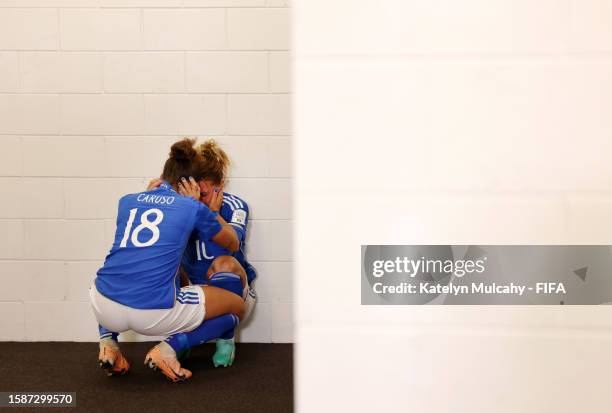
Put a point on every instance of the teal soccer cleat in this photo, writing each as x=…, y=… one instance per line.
x=226, y=350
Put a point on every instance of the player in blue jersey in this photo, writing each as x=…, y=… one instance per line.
x=138, y=287
x=207, y=263
x=234, y=211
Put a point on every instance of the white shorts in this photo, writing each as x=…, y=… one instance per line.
x=186, y=315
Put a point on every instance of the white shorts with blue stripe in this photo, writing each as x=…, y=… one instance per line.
x=187, y=314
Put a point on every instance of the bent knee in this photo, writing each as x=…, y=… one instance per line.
x=225, y=263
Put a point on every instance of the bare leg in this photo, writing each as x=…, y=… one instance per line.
x=223, y=308
x=219, y=301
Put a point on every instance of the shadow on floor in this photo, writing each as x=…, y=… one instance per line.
x=261, y=379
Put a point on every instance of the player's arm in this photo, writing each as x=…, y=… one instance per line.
x=208, y=227
x=238, y=218
x=228, y=234
x=235, y=232
x=221, y=234
x=227, y=238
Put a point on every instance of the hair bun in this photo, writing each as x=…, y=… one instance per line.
x=183, y=150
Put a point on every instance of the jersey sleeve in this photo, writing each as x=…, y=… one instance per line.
x=206, y=224
x=238, y=218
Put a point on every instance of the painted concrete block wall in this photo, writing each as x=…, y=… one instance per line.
x=92, y=93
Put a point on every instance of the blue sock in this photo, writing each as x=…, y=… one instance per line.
x=228, y=335
x=228, y=281
x=104, y=333
x=208, y=330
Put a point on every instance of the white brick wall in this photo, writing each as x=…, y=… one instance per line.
x=92, y=93
x=460, y=122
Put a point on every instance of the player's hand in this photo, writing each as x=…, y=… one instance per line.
x=189, y=188
x=154, y=183
x=216, y=199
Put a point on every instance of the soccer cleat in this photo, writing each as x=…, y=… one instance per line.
x=226, y=350
x=163, y=358
x=111, y=360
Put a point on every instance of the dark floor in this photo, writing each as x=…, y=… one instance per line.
x=261, y=379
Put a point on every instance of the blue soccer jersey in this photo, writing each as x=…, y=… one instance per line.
x=200, y=253
x=152, y=230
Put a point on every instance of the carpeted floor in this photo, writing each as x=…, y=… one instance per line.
x=261, y=379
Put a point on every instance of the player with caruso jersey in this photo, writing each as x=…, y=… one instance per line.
x=138, y=286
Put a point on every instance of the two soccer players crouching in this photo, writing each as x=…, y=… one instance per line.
x=138, y=287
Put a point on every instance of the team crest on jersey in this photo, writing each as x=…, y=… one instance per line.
x=239, y=216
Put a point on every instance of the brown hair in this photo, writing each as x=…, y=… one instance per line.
x=183, y=161
x=216, y=161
